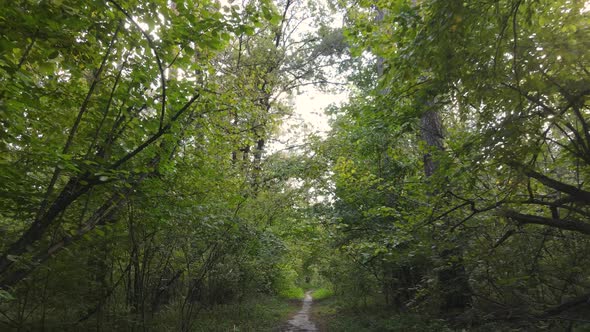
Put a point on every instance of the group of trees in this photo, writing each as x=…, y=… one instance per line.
x=136, y=190
x=460, y=162
x=132, y=179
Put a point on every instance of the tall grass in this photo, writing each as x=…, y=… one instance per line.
x=260, y=313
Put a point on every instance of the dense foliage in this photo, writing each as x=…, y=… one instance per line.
x=134, y=192
x=462, y=174
x=137, y=190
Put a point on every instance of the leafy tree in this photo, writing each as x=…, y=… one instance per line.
x=503, y=81
x=121, y=201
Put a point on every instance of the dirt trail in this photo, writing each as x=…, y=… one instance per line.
x=301, y=322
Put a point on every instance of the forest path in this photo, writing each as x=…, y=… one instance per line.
x=301, y=321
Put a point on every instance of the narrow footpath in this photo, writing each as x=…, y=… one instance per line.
x=301, y=322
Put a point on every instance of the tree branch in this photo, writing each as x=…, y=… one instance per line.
x=582, y=299
x=157, y=135
x=158, y=60
x=576, y=194
x=76, y=124
x=565, y=224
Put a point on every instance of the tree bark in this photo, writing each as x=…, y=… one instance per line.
x=453, y=279
x=432, y=134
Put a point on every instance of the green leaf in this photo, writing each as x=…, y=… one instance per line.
x=6, y=296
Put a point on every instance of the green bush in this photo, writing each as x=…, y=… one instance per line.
x=322, y=293
x=292, y=293
x=285, y=285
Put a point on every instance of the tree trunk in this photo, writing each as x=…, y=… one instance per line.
x=432, y=133
x=453, y=280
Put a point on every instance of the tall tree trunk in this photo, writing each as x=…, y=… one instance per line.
x=452, y=277
x=432, y=133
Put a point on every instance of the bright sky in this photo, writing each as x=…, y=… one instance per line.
x=311, y=104
x=308, y=118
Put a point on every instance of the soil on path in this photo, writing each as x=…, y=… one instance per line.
x=301, y=321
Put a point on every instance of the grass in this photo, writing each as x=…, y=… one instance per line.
x=260, y=314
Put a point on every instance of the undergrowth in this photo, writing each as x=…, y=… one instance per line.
x=333, y=314
x=262, y=313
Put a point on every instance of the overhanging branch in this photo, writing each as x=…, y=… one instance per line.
x=565, y=224
x=576, y=193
